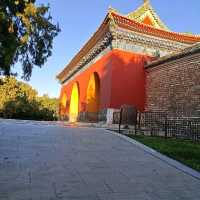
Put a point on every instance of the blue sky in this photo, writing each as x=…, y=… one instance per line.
x=80, y=19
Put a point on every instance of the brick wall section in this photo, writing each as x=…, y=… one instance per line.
x=174, y=86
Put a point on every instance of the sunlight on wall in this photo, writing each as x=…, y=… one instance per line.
x=74, y=104
x=93, y=94
x=64, y=100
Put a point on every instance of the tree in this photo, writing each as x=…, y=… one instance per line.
x=26, y=35
x=50, y=104
x=20, y=101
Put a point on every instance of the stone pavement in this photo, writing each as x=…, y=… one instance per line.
x=49, y=162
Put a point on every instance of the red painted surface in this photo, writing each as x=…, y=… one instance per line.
x=103, y=68
x=122, y=81
x=128, y=79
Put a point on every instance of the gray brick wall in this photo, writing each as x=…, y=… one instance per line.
x=174, y=86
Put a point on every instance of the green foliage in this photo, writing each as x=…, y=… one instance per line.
x=26, y=35
x=19, y=100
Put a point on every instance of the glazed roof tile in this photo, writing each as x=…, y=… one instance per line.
x=193, y=49
x=126, y=23
x=129, y=24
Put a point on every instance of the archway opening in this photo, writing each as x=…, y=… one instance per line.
x=93, y=94
x=74, y=103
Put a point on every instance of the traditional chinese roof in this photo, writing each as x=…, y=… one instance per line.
x=126, y=23
x=146, y=14
x=101, y=31
x=144, y=20
x=193, y=49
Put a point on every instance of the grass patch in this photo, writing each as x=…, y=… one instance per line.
x=186, y=152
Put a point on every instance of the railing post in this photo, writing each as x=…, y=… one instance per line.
x=136, y=123
x=139, y=124
x=120, y=120
x=191, y=132
x=166, y=123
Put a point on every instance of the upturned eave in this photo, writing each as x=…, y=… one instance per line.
x=116, y=20
x=101, y=31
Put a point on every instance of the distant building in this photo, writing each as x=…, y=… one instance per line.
x=136, y=60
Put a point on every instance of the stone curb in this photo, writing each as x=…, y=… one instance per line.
x=187, y=170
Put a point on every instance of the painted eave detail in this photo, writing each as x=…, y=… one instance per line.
x=114, y=20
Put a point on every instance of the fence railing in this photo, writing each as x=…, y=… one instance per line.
x=184, y=128
x=92, y=117
x=88, y=117
x=160, y=124
x=116, y=117
x=154, y=121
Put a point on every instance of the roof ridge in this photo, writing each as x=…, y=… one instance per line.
x=195, y=48
x=163, y=30
x=145, y=7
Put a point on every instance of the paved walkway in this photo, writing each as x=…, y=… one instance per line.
x=41, y=162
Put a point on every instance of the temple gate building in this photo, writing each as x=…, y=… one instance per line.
x=126, y=62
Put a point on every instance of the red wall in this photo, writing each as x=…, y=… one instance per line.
x=128, y=79
x=103, y=69
x=122, y=80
